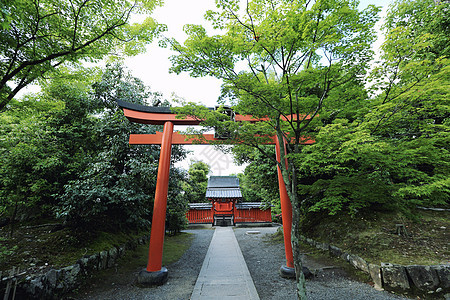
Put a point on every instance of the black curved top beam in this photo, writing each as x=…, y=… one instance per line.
x=144, y=108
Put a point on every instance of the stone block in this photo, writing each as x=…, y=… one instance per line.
x=394, y=277
x=92, y=262
x=35, y=287
x=103, y=260
x=345, y=256
x=358, y=263
x=51, y=278
x=375, y=274
x=323, y=246
x=70, y=276
x=148, y=279
x=423, y=277
x=443, y=273
x=335, y=251
x=83, y=264
x=112, y=256
x=287, y=272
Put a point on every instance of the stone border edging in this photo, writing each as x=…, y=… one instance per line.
x=56, y=283
x=393, y=277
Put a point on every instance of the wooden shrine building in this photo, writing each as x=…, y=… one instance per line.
x=226, y=206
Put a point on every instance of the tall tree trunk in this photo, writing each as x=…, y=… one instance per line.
x=299, y=276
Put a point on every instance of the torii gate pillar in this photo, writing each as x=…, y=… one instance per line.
x=155, y=274
x=287, y=271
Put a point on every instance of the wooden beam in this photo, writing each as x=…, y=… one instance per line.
x=180, y=139
x=177, y=139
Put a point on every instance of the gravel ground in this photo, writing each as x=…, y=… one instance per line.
x=263, y=260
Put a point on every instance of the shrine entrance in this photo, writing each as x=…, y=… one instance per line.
x=155, y=273
x=223, y=192
x=225, y=206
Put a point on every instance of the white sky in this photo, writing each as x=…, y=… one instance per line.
x=152, y=67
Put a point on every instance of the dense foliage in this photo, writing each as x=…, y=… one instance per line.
x=38, y=36
x=393, y=154
x=177, y=202
x=197, y=181
x=45, y=142
x=258, y=182
x=70, y=155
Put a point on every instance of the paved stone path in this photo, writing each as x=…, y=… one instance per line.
x=224, y=273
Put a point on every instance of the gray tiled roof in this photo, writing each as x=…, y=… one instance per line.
x=223, y=182
x=223, y=193
x=223, y=187
x=200, y=205
x=248, y=205
x=243, y=205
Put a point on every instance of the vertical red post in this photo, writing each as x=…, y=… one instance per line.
x=159, y=209
x=286, y=210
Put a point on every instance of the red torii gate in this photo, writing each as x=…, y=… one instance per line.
x=155, y=273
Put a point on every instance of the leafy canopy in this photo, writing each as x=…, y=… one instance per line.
x=197, y=181
x=277, y=58
x=37, y=36
x=395, y=153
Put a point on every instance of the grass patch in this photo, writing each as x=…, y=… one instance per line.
x=96, y=242
x=175, y=246
x=128, y=266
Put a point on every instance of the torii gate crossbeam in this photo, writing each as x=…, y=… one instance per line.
x=155, y=273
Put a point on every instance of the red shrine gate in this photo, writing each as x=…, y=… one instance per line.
x=155, y=273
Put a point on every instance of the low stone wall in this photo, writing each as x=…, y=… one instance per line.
x=56, y=283
x=392, y=277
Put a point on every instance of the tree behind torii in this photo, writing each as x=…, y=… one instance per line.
x=280, y=58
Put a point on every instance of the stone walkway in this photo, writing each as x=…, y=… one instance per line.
x=224, y=273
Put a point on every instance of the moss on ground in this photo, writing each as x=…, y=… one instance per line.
x=128, y=266
x=374, y=237
x=36, y=248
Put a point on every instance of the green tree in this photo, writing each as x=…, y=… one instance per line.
x=413, y=108
x=259, y=181
x=65, y=152
x=117, y=187
x=38, y=36
x=5, y=17
x=277, y=59
x=197, y=181
x=394, y=153
x=177, y=202
x=45, y=139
